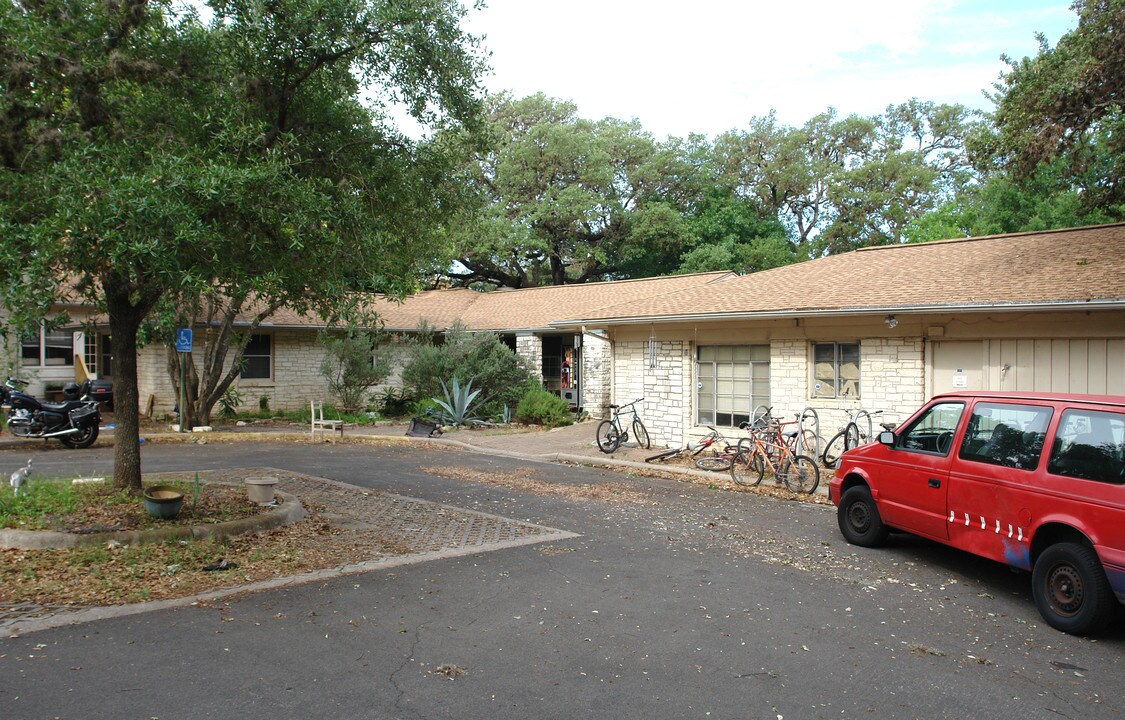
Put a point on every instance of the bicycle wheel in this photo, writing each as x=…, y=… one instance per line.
x=640, y=434
x=851, y=434
x=808, y=444
x=717, y=463
x=834, y=449
x=801, y=475
x=748, y=469
x=609, y=439
x=664, y=455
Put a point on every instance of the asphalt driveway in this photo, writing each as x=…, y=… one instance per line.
x=681, y=602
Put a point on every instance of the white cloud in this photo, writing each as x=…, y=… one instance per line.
x=710, y=65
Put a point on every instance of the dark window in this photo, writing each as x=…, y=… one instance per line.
x=256, y=360
x=1090, y=445
x=57, y=349
x=933, y=432
x=1008, y=435
x=29, y=350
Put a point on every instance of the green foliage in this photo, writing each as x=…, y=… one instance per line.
x=1066, y=103
x=229, y=402
x=396, y=402
x=500, y=374
x=563, y=199
x=355, y=361
x=1003, y=204
x=540, y=407
x=458, y=401
x=250, y=157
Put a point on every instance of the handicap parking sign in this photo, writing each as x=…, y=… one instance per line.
x=183, y=340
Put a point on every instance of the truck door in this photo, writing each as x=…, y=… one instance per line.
x=913, y=490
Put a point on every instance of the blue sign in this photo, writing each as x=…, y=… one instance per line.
x=183, y=340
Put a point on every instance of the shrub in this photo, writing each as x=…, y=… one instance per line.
x=354, y=362
x=543, y=408
x=502, y=376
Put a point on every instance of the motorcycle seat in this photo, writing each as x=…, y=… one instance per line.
x=63, y=407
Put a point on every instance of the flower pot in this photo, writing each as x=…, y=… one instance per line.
x=163, y=501
x=260, y=490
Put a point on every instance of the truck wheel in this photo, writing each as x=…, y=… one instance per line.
x=1071, y=589
x=859, y=518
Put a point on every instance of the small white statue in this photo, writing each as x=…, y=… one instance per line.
x=19, y=478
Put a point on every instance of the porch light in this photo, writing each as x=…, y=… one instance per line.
x=891, y=321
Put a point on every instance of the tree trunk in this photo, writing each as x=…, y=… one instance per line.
x=125, y=319
x=186, y=400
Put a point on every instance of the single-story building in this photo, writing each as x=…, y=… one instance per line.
x=881, y=328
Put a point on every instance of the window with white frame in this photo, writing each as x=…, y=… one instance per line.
x=47, y=349
x=731, y=381
x=257, y=359
x=835, y=370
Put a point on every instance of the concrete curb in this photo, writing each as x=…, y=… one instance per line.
x=290, y=511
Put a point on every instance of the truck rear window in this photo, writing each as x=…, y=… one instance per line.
x=1090, y=445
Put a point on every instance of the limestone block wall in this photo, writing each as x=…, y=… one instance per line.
x=665, y=387
x=530, y=347
x=891, y=379
x=597, y=374
x=296, y=357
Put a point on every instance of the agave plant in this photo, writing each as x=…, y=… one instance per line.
x=457, y=401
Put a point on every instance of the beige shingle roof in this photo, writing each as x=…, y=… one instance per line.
x=1079, y=265
x=524, y=309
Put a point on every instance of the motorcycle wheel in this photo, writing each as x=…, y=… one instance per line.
x=84, y=438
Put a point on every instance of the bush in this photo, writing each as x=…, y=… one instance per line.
x=354, y=362
x=502, y=376
x=543, y=408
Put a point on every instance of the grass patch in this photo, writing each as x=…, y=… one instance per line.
x=57, y=504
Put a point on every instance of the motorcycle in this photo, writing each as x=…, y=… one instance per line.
x=73, y=422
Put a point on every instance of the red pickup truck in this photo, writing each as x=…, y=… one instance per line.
x=1032, y=480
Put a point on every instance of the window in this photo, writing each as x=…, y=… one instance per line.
x=1089, y=445
x=47, y=349
x=933, y=432
x=1007, y=435
x=835, y=370
x=732, y=381
x=256, y=360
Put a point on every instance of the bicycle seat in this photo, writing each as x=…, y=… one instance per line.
x=790, y=434
x=614, y=407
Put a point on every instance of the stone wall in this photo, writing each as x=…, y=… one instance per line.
x=296, y=380
x=597, y=374
x=665, y=386
x=530, y=348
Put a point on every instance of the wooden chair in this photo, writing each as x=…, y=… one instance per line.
x=322, y=425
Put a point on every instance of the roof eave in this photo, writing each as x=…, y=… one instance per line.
x=1100, y=304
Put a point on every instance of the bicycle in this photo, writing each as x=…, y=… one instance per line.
x=857, y=431
x=754, y=455
x=718, y=461
x=612, y=433
x=801, y=441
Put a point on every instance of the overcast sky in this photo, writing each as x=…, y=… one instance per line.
x=708, y=66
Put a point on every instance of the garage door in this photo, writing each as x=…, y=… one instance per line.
x=1070, y=366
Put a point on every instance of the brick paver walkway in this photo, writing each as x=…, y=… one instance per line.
x=426, y=529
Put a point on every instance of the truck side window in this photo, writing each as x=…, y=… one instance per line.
x=1089, y=445
x=933, y=431
x=1007, y=435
